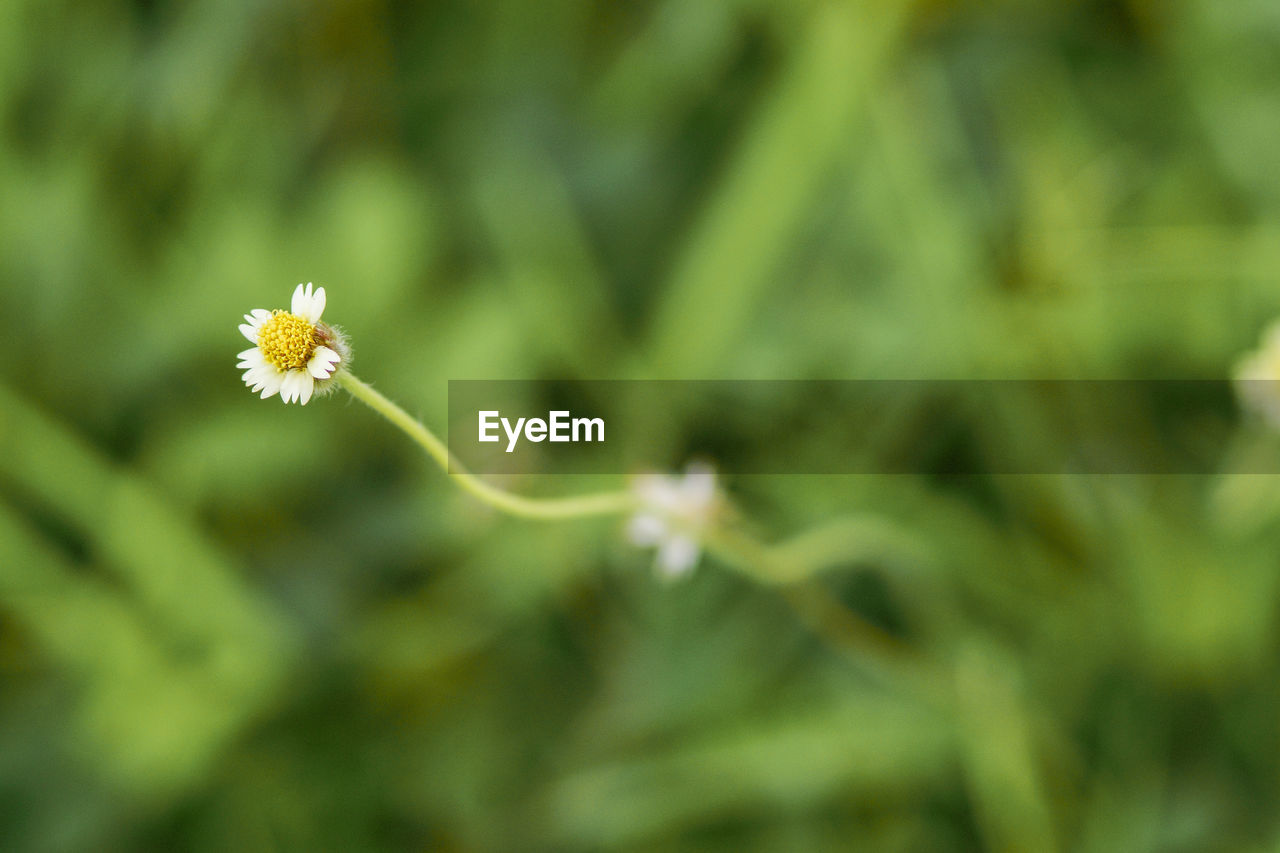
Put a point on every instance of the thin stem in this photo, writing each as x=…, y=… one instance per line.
x=837, y=543
x=789, y=566
x=546, y=509
x=792, y=567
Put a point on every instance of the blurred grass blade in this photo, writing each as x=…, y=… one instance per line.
x=209, y=654
x=791, y=144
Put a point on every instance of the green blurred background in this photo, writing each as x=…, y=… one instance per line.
x=229, y=624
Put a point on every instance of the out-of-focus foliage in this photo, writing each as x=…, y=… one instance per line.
x=228, y=624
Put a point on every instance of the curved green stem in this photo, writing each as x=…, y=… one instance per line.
x=544, y=509
x=839, y=542
x=793, y=568
x=790, y=565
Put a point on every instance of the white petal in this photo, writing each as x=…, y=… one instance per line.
x=258, y=376
x=317, y=306
x=249, y=332
x=677, y=556
x=271, y=383
x=301, y=304
x=699, y=484
x=261, y=315
x=294, y=384
x=657, y=492
x=322, y=362
x=306, y=385
x=288, y=387
x=646, y=530
x=251, y=358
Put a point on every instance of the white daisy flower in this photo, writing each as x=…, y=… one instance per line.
x=673, y=516
x=293, y=353
x=1258, y=378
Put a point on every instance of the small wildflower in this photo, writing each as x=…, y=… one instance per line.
x=673, y=516
x=1258, y=377
x=294, y=354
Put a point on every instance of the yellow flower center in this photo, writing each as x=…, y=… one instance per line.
x=287, y=340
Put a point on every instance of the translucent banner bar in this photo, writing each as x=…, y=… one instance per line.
x=855, y=426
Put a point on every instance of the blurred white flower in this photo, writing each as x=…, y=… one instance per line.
x=294, y=354
x=674, y=514
x=1257, y=377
